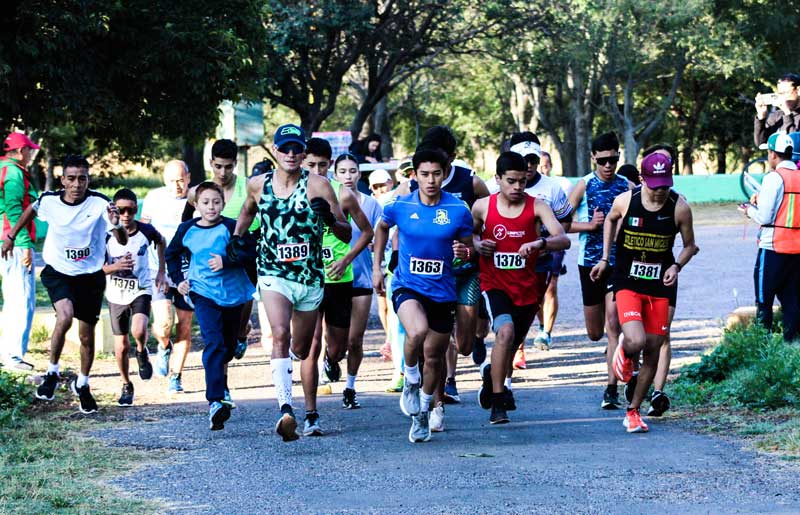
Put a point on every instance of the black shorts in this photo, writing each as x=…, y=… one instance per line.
x=337, y=304
x=594, y=293
x=441, y=315
x=121, y=314
x=172, y=295
x=361, y=292
x=500, y=308
x=672, y=295
x=85, y=291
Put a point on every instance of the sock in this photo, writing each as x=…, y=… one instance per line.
x=412, y=374
x=82, y=381
x=541, y=328
x=425, y=401
x=282, y=378
x=351, y=382
x=657, y=392
x=52, y=369
x=508, y=383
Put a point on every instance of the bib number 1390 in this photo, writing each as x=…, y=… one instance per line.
x=292, y=251
x=426, y=266
x=73, y=254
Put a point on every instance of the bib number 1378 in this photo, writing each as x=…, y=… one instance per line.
x=508, y=261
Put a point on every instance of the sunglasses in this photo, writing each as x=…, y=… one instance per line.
x=127, y=210
x=294, y=147
x=602, y=161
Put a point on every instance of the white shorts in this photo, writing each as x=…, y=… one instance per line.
x=304, y=298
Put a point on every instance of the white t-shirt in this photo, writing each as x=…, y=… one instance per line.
x=164, y=213
x=550, y=192
x=76, y=235
x=124, y=286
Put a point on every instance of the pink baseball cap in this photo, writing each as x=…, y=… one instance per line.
x=17, y=140
x=657, y=170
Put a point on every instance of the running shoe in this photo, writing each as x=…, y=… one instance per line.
x=311, y=424
x=420, y=428
x=332, y=370
x=622, y=365
x=386, y=351
x=508, y=399
x=145, y=367
x=241, y=348
x=162, y=360
x=519, y=360
x=498, y=416
x=658, y=404
x=451, y=392
x=126, y=397
x=287, y=424
x=85, y=399
x=47, y=390
x=409, y=399
x=630, y=387
x=610, y=398
x=633, y=422
x=485, y=390
x=395, y=385
x=542, y=341
x=436, y=419
x=479, y=351
x=349, y=400
x=175, y=385
x=218, y=413
x=227, y=399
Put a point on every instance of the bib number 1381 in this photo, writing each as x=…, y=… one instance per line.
x=648, y=271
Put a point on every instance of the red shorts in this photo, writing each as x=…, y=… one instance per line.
x=653, y=312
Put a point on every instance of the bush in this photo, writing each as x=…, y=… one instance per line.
x=14, y=395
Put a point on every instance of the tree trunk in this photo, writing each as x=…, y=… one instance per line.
x=381, y=124
x=192, y=155
x=687, y=158
x=722, y=151
x=50, y=179
x=518, y=102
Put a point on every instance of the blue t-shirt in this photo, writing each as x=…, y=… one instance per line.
x=426, y=235
x=227, y=287
x=362, y=264
x=599, y=194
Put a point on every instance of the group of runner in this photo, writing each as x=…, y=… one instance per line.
x=461, y=260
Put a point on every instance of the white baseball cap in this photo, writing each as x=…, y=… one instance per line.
x=379, y=177
x=778, y=142
x=525, y=148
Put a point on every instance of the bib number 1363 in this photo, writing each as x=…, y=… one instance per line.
x=648, y=271
x=426, y=266
x=289, y=252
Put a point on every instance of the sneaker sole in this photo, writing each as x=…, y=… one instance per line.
x=638, y=429
x=351, y=406
x=123, y=405
x=314, y=432
x=287, y=428
x=420, y=440
x=541, y=345
x=219, y=418
x=485, y=391
x=501, y=421
x=452, y=399
x=43, y=398
x=608, y=405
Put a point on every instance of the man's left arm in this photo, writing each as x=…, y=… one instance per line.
x=330, y=211
x=685, y=223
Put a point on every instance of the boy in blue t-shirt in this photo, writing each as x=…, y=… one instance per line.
x=217, y=285
x=433, y=227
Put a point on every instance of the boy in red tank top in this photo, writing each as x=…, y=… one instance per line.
x=507, y=239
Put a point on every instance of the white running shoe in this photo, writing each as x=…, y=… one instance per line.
x=436, y=420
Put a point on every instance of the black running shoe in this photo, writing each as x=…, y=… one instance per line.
x=332, y=370
x=508, y=399
x=47, y=390
x=241, y=348
x=218, y=413
x=126, y=397
x=630, y=387
x=479, y=351
x=349, y=400
x=498, y=416
x=87, y=403
x=145, y=367
x=610, y=399
x=485, y=391
x=658, y=404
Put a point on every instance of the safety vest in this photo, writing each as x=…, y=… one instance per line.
x=786, y=236
x=26, y=201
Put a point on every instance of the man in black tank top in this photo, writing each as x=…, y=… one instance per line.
x=649, y=217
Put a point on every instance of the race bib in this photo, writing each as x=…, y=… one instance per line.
x=426, y=266
x=508, y=261
x=648, y=271
x=74, y=254
x=126, y=284
x=288, y=252
x=327, y=253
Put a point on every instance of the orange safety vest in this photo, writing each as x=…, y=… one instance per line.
x=26, y=201
x=786, y=236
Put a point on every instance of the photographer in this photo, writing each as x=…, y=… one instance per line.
x=786, y=117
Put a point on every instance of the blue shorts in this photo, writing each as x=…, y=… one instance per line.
x=468, y=289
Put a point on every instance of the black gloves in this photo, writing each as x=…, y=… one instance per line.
x=393, y=260
x=323, y=210
x=236, y=250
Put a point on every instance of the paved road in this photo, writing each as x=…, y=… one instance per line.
x=560, y=454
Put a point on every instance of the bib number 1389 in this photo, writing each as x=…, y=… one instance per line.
x=292, y=252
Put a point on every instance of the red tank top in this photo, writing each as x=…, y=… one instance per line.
x=506, y=270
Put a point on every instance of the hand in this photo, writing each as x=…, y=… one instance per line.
x=754, y=199
x=183, y=288
x=323, y=210
x=761, y=107
x=598, y=270
x=161, y=282
x=597, y=219
x=27, y=258
x=486, y=247
x=671, y=275
x=215, y=263
x=125, y=263
x=234, y=249
x=377, y=282
x=530, y=248
x=336, y=270
x=370, y=159
x=460, y=250
x=8, y=247
x=113, y=214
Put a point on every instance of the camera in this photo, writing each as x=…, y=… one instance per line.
x=770, y=99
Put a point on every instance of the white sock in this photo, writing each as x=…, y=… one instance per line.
x=425, y=401
x=508, y=383
x=282, y=378
x=82, y=381
x=412, y=374
x=351, y=382
x=52, y=369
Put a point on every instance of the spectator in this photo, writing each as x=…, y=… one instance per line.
x=786, y=118
x=262, y=167
x=372, y=149
x=630, y=172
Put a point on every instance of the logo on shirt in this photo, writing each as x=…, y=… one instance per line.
x=414, y=216
x=441, y=217
x=499, y=232
x=635, y=221
x=142, y=250
x=660, y=218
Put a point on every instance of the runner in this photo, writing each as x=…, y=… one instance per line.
x=592, y=198
x=509, y=245
x=74, y=249
x=346, y=172
x=292, y=205
x=162, y=208
x=649, y=217
x=434, y=227
x=337, y=300
x=128, y=287
x=217, y=286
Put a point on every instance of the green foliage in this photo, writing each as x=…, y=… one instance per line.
x=15, y=396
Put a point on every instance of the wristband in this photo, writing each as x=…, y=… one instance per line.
x=605, y=259
x=12, y=237
x=544, y=242
x=469, y=254
x=680, y=266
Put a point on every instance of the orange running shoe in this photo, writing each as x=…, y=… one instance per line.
x=519, y=359
x=633, y=422
x=623, y=365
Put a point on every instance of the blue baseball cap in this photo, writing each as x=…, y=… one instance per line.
x=795, y=137
x=289, y=133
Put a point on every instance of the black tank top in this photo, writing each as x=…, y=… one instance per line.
x=644, y=246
